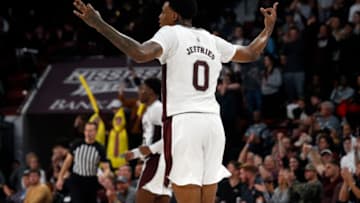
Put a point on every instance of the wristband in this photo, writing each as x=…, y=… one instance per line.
x=137, y=153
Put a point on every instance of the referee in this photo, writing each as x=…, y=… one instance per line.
x=85, y=157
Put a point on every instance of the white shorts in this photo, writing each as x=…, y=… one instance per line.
x=156, y=184
x=197, y=148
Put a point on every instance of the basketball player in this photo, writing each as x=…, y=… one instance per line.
x=191, y=58
x=151, y=188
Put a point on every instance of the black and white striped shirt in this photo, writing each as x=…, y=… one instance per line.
x=87, y=158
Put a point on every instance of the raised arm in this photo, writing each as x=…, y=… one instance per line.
x=138, y=52
x=316, y=160
x=344, y=192
x=254, y=49
x=244, y=151
x=350, y=182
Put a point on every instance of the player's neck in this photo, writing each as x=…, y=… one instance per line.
x=183, y=22
x=151, y=101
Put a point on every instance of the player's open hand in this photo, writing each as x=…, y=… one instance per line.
x=270, y=16
x=87, y=13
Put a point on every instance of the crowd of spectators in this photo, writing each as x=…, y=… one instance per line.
x=291, y=119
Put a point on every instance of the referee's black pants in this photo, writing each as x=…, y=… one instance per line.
x=83, y=189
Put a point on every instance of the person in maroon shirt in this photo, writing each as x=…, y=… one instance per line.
x=331, y=181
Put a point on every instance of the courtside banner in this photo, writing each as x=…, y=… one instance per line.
x=61, y=91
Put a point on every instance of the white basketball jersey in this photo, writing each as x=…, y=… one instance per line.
x=150, y=119
x=191, y=60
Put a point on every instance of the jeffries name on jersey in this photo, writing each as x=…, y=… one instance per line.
x=200, y=49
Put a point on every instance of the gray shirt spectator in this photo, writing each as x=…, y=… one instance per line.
x=341, y=93
x=263, y=139
x=125, y=193
x=129, y=197
x=328, y=122
x=272, y=83
x=259, y=129
x=280, y=196
x=281, y=193
x=326, y=119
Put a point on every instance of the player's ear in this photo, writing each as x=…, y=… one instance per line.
x=175, y=16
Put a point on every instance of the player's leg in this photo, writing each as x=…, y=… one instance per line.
x=145, y=196
x=187, y=170
x=208, y=193
x=162, y=199
x=187, y=193
x=214, y=171
x=187, y=153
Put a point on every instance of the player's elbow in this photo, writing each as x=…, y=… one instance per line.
x=140, y=60
x=140, y=57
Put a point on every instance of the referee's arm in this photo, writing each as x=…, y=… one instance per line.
x=68, y=161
